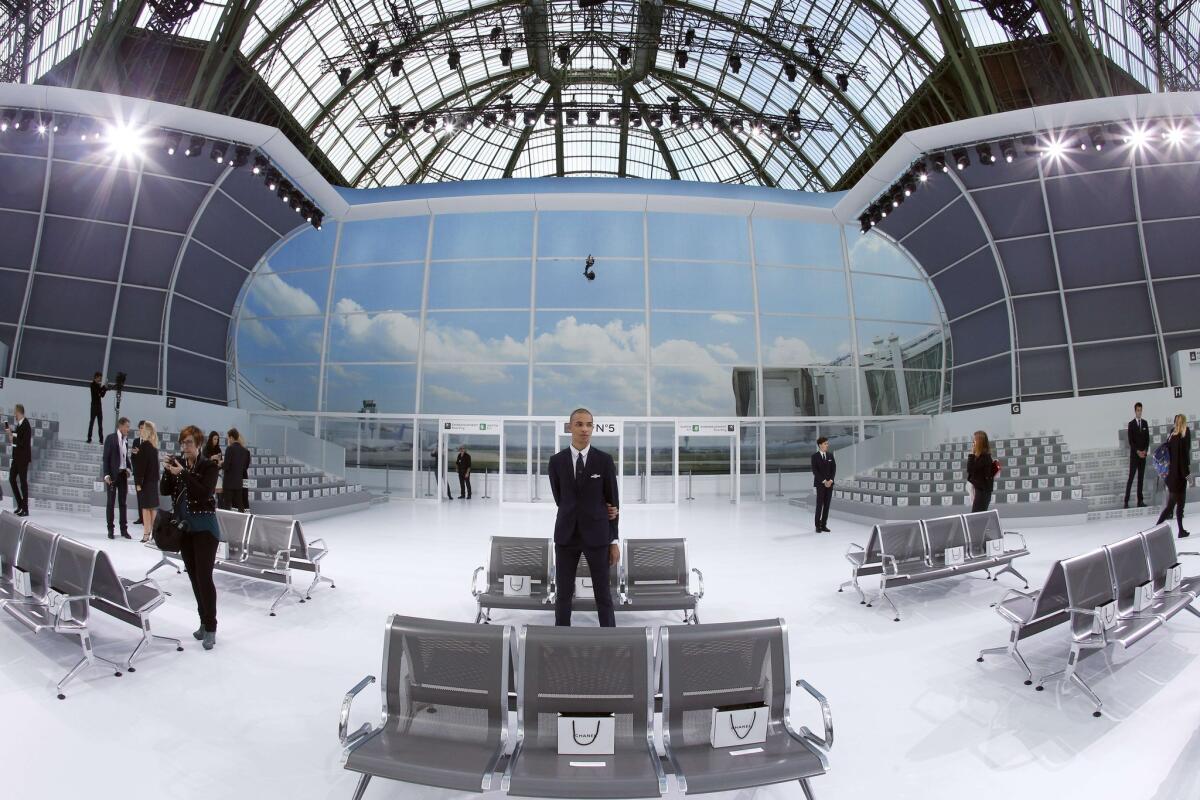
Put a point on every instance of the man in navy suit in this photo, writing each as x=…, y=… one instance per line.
x=584, y=482
x=117, y=469
x=1139, y=445
x=824, y=469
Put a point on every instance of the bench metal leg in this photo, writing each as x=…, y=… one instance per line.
x=1010, y=650
x=90, y=659
x=1193, y=610
x=362, y=787
x=164, y=562
x=147, y=637
x=862, y=598
x=1009, y=568
x=287, y=589
x=883, y=595
x=1069, y=673
x=807, y=789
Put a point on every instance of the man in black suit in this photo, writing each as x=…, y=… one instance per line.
x=824, y=468
x=462, y=465
x=117, y=469
x=235, y=469
x=1139, y=445
x=584, y=482
x=21, y=438
x=98, y=390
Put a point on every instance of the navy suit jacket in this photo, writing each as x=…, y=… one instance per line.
x=584, y=504
x=112, y=457
x=823, y=469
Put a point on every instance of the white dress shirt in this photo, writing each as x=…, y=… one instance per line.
x=575, y=454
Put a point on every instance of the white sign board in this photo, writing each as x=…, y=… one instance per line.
x=489, y=427
x=600, y=427
x=696, y=427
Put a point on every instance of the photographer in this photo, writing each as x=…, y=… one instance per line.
x=21, y=438
x=191, y=480
x=98, y=389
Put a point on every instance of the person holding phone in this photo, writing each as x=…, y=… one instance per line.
x=21, y=439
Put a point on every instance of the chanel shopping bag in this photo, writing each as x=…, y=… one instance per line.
x=955, y=556
x=1143, y=596
x=517, y=585
x=738, y=725
x=1105, y=618
x=21, y=584
x=1174, y=577
x=995, y=547
x=583, y=587
x=586, y=734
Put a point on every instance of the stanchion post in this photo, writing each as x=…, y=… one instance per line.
x=779, y=489
x=387, y=482
x=689, y=494
x=485, y=485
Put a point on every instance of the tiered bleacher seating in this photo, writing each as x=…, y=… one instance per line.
x=1079, y=590
x=446, y=701
x=53, y=484
x=1038, y=478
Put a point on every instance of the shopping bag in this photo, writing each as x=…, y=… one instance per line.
x=586, y=733
x=738, y=725
x=517, y=585
x=1105, y=617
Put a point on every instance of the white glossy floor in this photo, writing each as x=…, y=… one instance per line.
x=915, y=715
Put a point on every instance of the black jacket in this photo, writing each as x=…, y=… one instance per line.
x=980, y=472
x=823, y=469
x=22, y=442
x=463, y=463
x=583, y=504
x=235, y=466
x=1180, y=448
x=112, y=457
x=146, y=469
x=199, y=483
x=1139, y=436
x=98, y=391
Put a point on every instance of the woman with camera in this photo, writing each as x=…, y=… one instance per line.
x=146, y=476
x=191, y=480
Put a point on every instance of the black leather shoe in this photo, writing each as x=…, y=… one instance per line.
x=826, y=530
x=125, y=535
x=1141, y=505
x=1126, y=504
x=110, y=535
x=1184, y=534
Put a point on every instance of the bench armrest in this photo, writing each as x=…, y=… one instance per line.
x=851, y=549
x=825, y=743
x=700, y=582
x=1188, y=553
x=324, y=550
x=66, y=602
x=146, y=582
x=282, y=555
x=1019, y=535
x=344, y=717
x=475, y=582
x=884, y=558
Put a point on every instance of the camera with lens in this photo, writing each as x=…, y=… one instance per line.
x=118, y=384
x=181, y=525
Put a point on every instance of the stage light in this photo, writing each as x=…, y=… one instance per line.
x=25, y=123
x=910, y=186
x=697, y=122
x=55, y=125
x=564, y=55
x=1009, y=150
x=864, y=222
x=395, y=66
x=810, y=43
x=272, y=179
x=6, y=121
x=1139, y=136
x=735, y=63
x=125, y=141
x=489, y=119
x=896, y=199
x=217, y=152
x=453, y=59
x=241, y=156
x=986, y=156
x=635, y=119
x=624, y=54
x=656, y=119
x=530, y=118
x=1054, y=148
x=776, y=132
x=614, y=118
x=572, y=118
x=550, y=119
x=173, y=140
x=843, y=82
x=793, y=132
x=789, y=70
x=343, y=76
x=681, y=58
x=506, y=54
x=736, y=126
x=317, y=219
x=939, y=163
x=961, y=160
x=920, y=171
x=756, y=127
x=1096, y=135
x=283, y=192
x=676, y=118
x=391, y=125
x=260, y=165
x=410, y=125
x=195, y=145
x=1173, y=136
x=593, y=116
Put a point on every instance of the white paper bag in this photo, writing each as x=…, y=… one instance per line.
x=1143, y=596
x=1105, y=617
x=21, y=584
x=586, y=734
x=517, y=585
x=955, y=556
x=583, y=587
x=733, y=726
x=1174, y=577
x=995, y=547
x=54, y=601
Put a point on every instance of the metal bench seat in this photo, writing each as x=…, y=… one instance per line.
x=270, y=549
x=11, y=528
x=983, y=527
x=572, y=670
x=510, y=557
x=706, y=666
x=656, y=577
x=1162, y=556
x=445, y=707
x=130, y=602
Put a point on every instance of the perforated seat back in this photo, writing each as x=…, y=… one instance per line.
x=660, y=563
x=459, y=670
x=234, y=526
x=518, y=555
x=106, y=584
x=1052, y=599
x=1127, y=561
x=1089, y=584
x=903, y=541
x=1160, y=550
x=11, y=527
x=982, y=527
x=270, y=536
x=871, y=556
x=71, y=574
x=945, y=532
x=572, y=670
x=299, y=543
x=34, y=556
x=729, y=663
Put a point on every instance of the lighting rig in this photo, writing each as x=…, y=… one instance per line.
x=21, y=24
x=1049, y=145
x=672, y=115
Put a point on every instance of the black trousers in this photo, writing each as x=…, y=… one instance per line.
x=235, y=499
x=96, y=418
x=116, y=491
x=1175, y=502
x=1136, y=466
x=199, y=551
x=982, y=500
x=464, y=485
x=566, y=565
x=821, y=513
x=19, y=473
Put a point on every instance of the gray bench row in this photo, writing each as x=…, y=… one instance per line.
x=653, y=575
x=445, y=694
x=1113, y=596
x=66, y=580
x=915, y=551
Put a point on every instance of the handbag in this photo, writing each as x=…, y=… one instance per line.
x=166, y=535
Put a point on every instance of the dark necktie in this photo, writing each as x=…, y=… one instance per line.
x=579, y=468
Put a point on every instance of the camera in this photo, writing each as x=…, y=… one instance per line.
x=588, y=272
x=180, y=525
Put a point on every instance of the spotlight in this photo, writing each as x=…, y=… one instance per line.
x=756, y=127
x=789, y=69
x=910, y=186
x=624, y=54
x=864, y=222
x=593, y=116
x=125, y=141
x=564, y=55
x=25, y=123
x=550, y=119
x=260, y=165
x=920, y=171
x=195, y=145
x=614, y=118
x=55, y=125
x=343, y=76
x=410, y=125
x=272, y=179
x=793, y=132
x=530, y=118
x=173, y=140
x=572, y=117
x=843, y=81
x=1009, y=150
x=453, y=59
x=217, y=153
x=395, y=65
x=317, y=219
x=1030, y=146
x=392, y=125
x=7, y=120
x=736, y=126
x=697, y=122
x=1139, y=136
x=810, y=43
x=1173, y=135
x=939, y=163
x=284, y=191
x=241, y=156
x=429, y=124
x=656, y=119
x=506, y=54
x=735, y=63
x=986, y=157
x=635, y=119
x=1054, y=148
x=961, y=160
x=588, y=264
x=681, y=58
x=676, y=118
x=372, y=48
x=776, y=132
x=1096, y=135
x=896, y=199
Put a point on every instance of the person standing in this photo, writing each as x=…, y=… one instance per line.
x=824, y=469
x=235, y=469
x=584, y=483
x=137, y=441
x=21, y=439
x=981, y=472
x=463, y=465
x=1139, y=444
x=212, y=451
x=146, y=475
x=117, y=468
x=98, y=390
x=191, y=480
x=1179, y=446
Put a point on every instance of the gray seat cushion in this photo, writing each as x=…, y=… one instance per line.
x=783, y=758
x=659, y=598
x=1168, y=605
x=35, y=617
x=254, y=567
x=1017, y=608
x=917, y=572
x=141, y=597
x=427, y=760
x=1129, y=632
x=534, y=602
x=544, y=773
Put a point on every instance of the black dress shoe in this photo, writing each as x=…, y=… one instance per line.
x=826, y=530
x=1126, y=504
x=125, y=535
x=110, y=535
x=1183, y=534
x=1141, y=505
